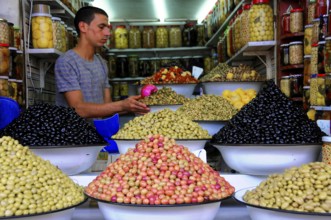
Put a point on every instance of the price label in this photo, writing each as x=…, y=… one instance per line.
x=196, y=72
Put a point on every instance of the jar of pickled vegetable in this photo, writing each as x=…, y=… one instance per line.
x=186, y=62
x=315, y=31
x=306, y=69
x=244, y=36
x=296, y=52
x=285, y=85
x=207, y=64
x=320, y=62
x=124, y=90
x=296, y=84
x=314, y=59
x=189, y=35
x=70, y=37
x=134, y=37
x=165, y=61
x=327, y=55
x=4, y=86
x=4, y=59
x=220, y=48
x=175, y=36
x=12, y=89
x=307, y=39
x=317, y=90
x=148, y=37
x=19, y=64
x=200, y=35
x=122, y=66
x=324, y=31
x=311, y=11
x=306, y=97
x=286, y=23
x=116, y=91
x=12, y=64
x=111, y=38
x=154, y=64
x=57, y=34
x=328, y=89
x=261, y=23
x=144, y=67
x=4, y=31
x=121, y=37
x=64, y=37
x=133, y=69
x=162, y=37
x=11, y=34
x=42, y=30
x=111, y=58
x=17, y=37
x=237, y=28
x=321, y=8
x=285, y=54
x=296, y=20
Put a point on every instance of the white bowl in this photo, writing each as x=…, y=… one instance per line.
x=155, y=108
x=211, y=126
x=71, y=160
x=267, y=159
x=216, y=88
x=185, y=89
x=263, y=213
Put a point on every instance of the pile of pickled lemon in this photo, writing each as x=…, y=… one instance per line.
x=239, y=97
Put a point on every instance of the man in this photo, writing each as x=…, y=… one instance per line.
x=81, y=74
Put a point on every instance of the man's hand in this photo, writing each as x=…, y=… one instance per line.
x=131, y=104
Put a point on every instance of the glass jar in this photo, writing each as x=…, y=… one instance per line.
x=306, y=97
x=70, y=37
x=111, y=58
x=311, y=11
x=111, y=38
x=162, y=37
x=148, y=37
x=4, y=31
x=154, y=64
x=186, y=62
x=20, y=93
x=261, y=22
x=296, y=84
x=285, y=54
x=296, y=20
x=19, y=64
x=12, y=89
x=296, y=52
x=233, y=34
x=324, y=31
x=122, y=66
x=116, y=91
x=17, y=37
x=175, y=36
x=315, y=31
x=121, y=37
x=144, y=67
x=327, y=55
x=238, y=29
x=4, y=86
x=134, y=37
x=165, y=61
x=207, y=64
x=63, y=37
x=124, y=90
x=189, y=35
x=285, y=85
x=209, y=25
x=306, y=69
x=220, y=49
x=200, y=35
x=321, y=8
x=4, y=59
x=317, y=92
x=328, y=89
x=57, y=34
x=11, y=34
x=42, y=30
x=245, y=25
x=307, y=39
x=133, y=65
x=320, y=61
x=314, y=59
x=12, y=63
x=286, y=23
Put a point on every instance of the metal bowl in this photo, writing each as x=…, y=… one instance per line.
x=217, y=88
x=155, y=108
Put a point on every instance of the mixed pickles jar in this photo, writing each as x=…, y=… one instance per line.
x=4, y=59
x=317, y=89
x=148, y=37
x=133, y=70
x=296, y=20
x=190, y=35
x=57, y=34
x=111, y=58
x=162, y=37
x=296, y=52
x=307, y=39
x=121, y=37
x=134, y=37
x=245, y=25
x=175, y=36
x=4, y=31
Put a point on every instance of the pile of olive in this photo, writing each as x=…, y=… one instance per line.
x=216, y=73
x=208, y=107
x=165, y=122
x=50, y=125
x=270, y=118
x=30, y=185
x=164, y=96
x=304, y=189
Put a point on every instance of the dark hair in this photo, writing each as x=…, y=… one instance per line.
x=86, y=14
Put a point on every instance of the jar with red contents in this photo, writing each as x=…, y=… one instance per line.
x=286, y=23
x=321, y=8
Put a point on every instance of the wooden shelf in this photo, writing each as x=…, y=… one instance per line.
x=292, y=35
x=292, y=67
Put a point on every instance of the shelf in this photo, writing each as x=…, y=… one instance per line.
x=292, y=35
x=321, y=108
x=49, y=53
x=292, y=67
x=170, y=49
x=214, y=39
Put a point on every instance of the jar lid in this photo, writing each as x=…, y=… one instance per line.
x=326, y=139
x=321, y=42
x=16, y=28
x=284, y=45
x=4, y=45
x=260, y=1
x=70, y=29
x=328, y=38
x=122, y=56
x=56, y=19
x=247, y=6
x=197, y=57
x=306, y=56
x=316, y=20
x=309, y=26
x=110, y=54
x=286, y=77
x=4, y=77
x=41, y=15
x=144, y=58
x=321, y=75
x=295, y=42
x=315, y=45
x=306, y=87
x=297, y=10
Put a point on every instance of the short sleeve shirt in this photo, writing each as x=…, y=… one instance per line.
x=75, y=73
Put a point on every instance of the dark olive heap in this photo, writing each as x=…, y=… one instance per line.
x=270, y=118
x=50, y=125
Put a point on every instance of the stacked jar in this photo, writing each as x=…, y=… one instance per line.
x=111, y=39
x=154, y=65
x=17, y=37
x=306, y=70
x=134, y=37
x=286, y=27
x=4, y=31
x=200, y=35
x=175, y=36
x=42, y=30
x=144, y=67
x=315, y=31
x=327, y=55
x=121, y=37
x=238, y=31
x=314, y=59
x=111, y=58
x=133, y=70
x=308, y=39
x=162, y=37
x=63, y=37
x=296, y=52
x=11, y=34
x=311, y=11
x=317, y=89
x=321, y=8
x=320, y=57
x=296, y=20
x=285, y=85
x=244, y=36
x=285, y=54
x=306, y=97
x=261, y=23
x=148, y=37
x=4, y=59
x=189, y=35
x=57, y=34
x=296, y=84
x=122, y=66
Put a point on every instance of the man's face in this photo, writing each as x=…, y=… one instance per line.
x=97, y=31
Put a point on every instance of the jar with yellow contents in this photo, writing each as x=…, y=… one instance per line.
x=162, y=37
x=175, y=36
x=42, y=30
x=134, y=37
x=57, y=34
x=4, y=59
x=261, y=23
x=4, y=31
x=307, y=39
x=245, y=25
x=317, y=90
x=121, y=37
x=4, y=86
x=327, y=55
x=296, y=20
x=237, y=31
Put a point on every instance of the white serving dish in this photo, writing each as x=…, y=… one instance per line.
x=264, y=213
x=185, y=89
x=211, y=126
x=155, y=108
x=267, y=159
x=217, y=88
x=71, y=160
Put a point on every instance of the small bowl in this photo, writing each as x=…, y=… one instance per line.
x=267, y=159
x=185, y=89
x=211, y=126
x=61, y=214
x=115, y=211
x=71, y=160
x=263, y=213
x=217, y=88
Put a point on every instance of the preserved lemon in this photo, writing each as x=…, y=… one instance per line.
x=261, y=25
x=42, y=31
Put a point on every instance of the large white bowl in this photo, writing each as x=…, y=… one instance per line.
x=267, y=159
x=216, y=88
x=71, y=160
x=264, y=213
x=185, y=89
x=155, y=108
x=211, y=126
